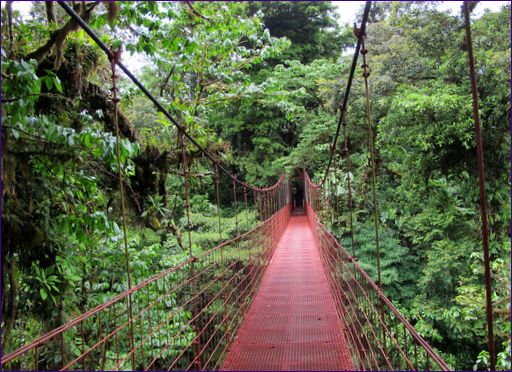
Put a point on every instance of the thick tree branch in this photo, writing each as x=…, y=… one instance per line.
x=8, y=6
x=50, y=12
x=166, y=81
x=195, y=12
x=58, y=37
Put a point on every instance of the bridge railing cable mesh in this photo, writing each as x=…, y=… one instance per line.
x=379, y=337
x=183, y=318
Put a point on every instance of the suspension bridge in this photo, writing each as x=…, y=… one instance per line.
x=283, y=295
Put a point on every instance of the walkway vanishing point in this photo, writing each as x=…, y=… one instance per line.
x=292, y=323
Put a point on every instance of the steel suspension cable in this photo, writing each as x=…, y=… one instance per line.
x=115, y=56
x=349, y=182
x=187, y=196
x=349, y=85
x=336, y=198
x=371, y=144
x=246, y=208
x=331, y=208
x=235, y=206
x=483, y=197
x=217, y=193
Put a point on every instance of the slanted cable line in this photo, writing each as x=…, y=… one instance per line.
x=353, y=66
x=141, y=86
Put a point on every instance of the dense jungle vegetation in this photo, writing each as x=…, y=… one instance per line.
x=258, y=84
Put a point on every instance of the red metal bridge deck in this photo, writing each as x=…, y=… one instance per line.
x=292, y=323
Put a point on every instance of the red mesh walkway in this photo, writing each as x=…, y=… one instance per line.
x=292, y=323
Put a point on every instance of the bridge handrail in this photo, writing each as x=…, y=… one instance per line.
x=269, y=230
x=380, y=305
x=121, y=296
x=382, y=297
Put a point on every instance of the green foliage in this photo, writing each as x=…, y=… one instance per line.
x=311, y=27
x=258, y=85
x=399, y=266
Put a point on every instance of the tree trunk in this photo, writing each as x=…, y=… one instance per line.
x=8, y=7
x=50, y=12
x=10, y=306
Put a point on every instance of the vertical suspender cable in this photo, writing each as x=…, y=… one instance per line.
x=187, y=198
x=483, y=198
x=336, y=198
x=114, y=57
x=331, y=202
x=349, y=182
x=371, y=144
x=217, y=192
x=265, y=206
x=235, y=206
x=328, y=203
x=246, y=208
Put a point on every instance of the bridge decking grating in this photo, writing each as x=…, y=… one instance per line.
x=292, y=323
